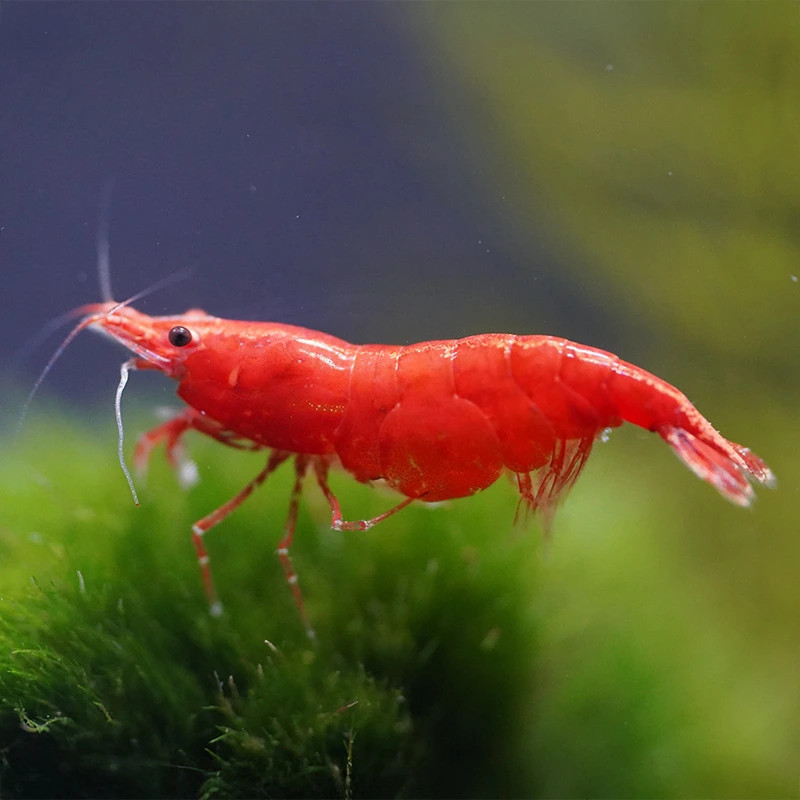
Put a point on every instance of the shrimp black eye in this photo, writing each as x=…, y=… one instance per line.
x=179, y=336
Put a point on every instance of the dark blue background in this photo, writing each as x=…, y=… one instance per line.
x=309, y=162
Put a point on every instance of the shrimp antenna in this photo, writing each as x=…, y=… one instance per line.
x=103, y=246
x=94, y=312
x=50, y=327
x=49, y=365
x=123, y=379
x=168, y=280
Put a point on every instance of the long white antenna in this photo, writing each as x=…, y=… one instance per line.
x=123, y=379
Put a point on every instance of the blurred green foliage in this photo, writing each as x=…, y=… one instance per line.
x=656, y=143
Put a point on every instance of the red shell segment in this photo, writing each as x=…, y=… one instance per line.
x=482, y=374
x=536, y=365
x=283, y=390
x=643, y=399
x=372, y=394
x=435, y=444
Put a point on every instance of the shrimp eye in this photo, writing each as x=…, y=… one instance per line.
x=179, y=336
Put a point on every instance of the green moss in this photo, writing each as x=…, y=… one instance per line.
x=115, y=681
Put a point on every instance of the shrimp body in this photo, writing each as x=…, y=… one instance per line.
x=436, y=420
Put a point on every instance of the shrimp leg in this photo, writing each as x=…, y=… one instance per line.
x=300, y=467
x=202, y=526
x=171, y=433
x=339, y=524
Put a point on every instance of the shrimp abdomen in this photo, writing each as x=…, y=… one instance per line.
x=404, y=422
x=584, y=390
x=483, y=375
x=435, y=444
x=372, y=394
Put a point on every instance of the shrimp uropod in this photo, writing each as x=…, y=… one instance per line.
x=436, y=420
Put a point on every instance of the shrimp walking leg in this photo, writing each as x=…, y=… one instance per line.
x=171, y=433
x=300, y=467
x=202, y=526
x=339, y=524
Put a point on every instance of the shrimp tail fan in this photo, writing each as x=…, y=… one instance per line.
x=727, y=466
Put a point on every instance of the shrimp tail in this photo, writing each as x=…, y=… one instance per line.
x=727, y=466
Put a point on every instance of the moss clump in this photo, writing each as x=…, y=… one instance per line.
x=115, y=681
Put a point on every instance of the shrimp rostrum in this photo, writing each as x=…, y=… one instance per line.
x=436, y=420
